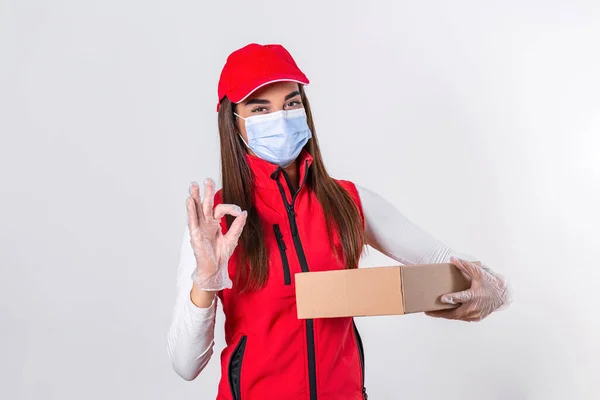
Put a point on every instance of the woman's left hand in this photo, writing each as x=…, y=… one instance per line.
x=488, y=292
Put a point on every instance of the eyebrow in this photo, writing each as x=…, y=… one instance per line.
x=264, y=101
x=292, y=95
x=257, y=101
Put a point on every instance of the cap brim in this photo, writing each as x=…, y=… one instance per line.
x=237, y=96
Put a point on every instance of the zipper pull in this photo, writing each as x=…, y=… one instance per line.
x=291, y=211
x=279, y=238
x=280, y=241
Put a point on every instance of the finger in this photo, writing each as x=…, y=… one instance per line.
x=192, y=215
x=474, y=268
x=195, y=193
x=465, y=312
x=465, y=266
x=209, y=197
x=223, y=209
x=236, y=228
x=471, y=314
x=455, y=313
x=467, y=318
x=434, y=314
x=458, y=297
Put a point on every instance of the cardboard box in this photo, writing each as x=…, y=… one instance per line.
x=377, y=291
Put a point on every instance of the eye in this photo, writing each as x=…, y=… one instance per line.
x=293, y=104
x=260, y=109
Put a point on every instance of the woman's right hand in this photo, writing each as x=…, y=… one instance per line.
x=211, y=248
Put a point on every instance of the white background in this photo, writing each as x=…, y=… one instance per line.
x=479, y=120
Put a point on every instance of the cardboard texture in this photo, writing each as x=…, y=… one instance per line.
x=377, y=291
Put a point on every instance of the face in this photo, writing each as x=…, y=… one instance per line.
x=270, y=98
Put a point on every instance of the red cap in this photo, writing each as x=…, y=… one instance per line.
x=254, y=66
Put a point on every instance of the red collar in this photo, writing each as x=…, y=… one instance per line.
x=264, y=170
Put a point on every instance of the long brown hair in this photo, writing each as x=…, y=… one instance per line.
x=340, y=210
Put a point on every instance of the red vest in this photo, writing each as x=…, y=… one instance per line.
x=270, y=353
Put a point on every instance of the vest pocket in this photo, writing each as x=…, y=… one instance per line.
x=287, y=279
x=235, y=369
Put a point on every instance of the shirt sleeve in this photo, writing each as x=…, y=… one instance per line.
x=393, y=234
x=190, y=338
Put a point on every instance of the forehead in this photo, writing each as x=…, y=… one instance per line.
x=275, y=90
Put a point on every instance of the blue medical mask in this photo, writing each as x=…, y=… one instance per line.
x=278, y=137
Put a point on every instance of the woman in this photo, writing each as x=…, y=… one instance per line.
x=288, y=216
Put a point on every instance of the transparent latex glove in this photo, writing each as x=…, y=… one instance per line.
x=489, y=292
x=211, y=248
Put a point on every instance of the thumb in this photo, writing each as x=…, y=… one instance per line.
x=458, y=297
x=236, y=228
x=222, y=209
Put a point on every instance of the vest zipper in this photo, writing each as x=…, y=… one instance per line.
x=361, y=353
x=235, y=369
x=310, y=329
x=287, y=279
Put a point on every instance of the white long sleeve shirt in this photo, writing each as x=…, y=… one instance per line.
x=191, y=335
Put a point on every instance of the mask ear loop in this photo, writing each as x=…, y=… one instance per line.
x=241, y=137
x=238, y=131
